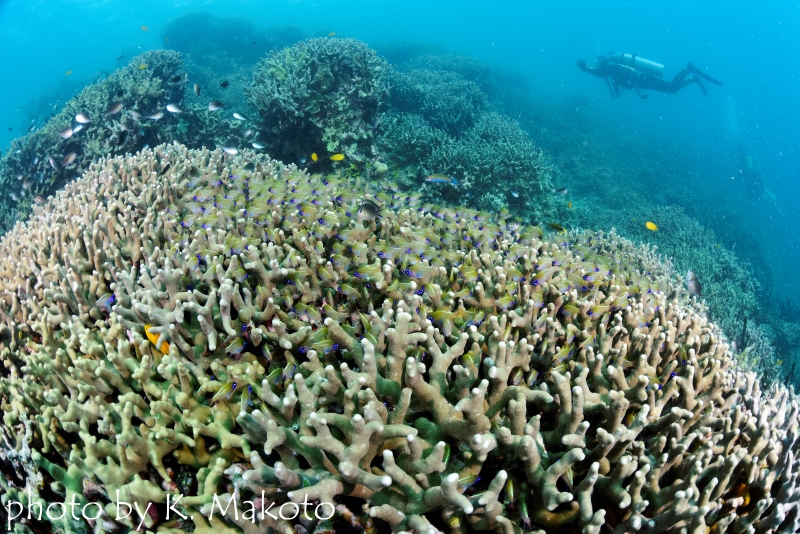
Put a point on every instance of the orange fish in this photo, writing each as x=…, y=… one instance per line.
x=153, y=338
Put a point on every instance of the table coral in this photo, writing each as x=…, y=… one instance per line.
x=430, y=370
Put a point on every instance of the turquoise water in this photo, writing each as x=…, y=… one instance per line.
x=668, y=150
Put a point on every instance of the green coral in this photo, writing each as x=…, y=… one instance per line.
x=432, y=369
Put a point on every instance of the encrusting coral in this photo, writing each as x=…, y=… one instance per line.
x=229, y=329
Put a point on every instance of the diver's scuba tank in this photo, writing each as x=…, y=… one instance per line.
x=644, y=65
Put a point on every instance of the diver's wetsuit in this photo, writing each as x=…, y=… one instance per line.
x=619, y=77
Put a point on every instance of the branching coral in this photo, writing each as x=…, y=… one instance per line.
x=321, y=95
x=446, y=370
x=33, y=165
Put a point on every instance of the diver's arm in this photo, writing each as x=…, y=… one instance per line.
x=585, y=68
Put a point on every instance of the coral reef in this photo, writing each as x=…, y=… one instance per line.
x=320, y=96
x=39, y=163
x=496, y=165
x=228, y=329
x=445, y=99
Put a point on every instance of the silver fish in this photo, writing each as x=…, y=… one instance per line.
x=31, y=128
x=258, y=145
x=83, y=118
x=14, y=197
x=39, y=200
x=172, y=108
x=53, y=163
x=248, y=132
x=214, y=105
x=76, y=129
x=66, y=133
x=693, y=284
x=229, y=150
x=135, y=115
x=155, y=116
x=239, y=116
x=69, y=158
x=27, y=183
x=113, y=109
x=197, y=89
x=562, y=191
x=515, y=194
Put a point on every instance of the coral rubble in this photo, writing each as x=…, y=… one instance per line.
x=227, y=328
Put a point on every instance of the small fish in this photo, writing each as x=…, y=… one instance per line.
x=225, y=392
x=145, y=29
x=557, y=227
x=76, y=129
x=441, y=179
x=177, y=78
x=69, y=158
x=68, y=73
x=569, y=205
x=172, y=108
x=14, y=197
x=779, y=362
x=155, y=116
x=32, y=126
x=106, y=301
x=515, y=194
x=121, y=57
x=214, y=105
x=337, y=157
x=142, y=66
x=83, y=118
x=197, y=89
x=368, y=210
x=331, y=34
x=257, y=145
x=122, y=138
x=562, y=191
x=66, y=133
x=229, y=150
x=39, y=200
x=247, y=132
x=27, y=183
x=135, y=115
x=239, y=116
x=153, y=338
x=166, y=40
x=314, y=156
x=224, y=84
x=113, y=109
x=120, y=93
x=651, y=226
x=53, y=163
x=693, y=284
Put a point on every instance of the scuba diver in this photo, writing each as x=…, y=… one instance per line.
x=629, y=71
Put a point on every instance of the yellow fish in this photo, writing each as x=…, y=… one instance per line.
x=651, y=226
x=779, y=362
x=153, y=338
x=331, y=34
x=166, y=40
x=68, y=73
x=569, y=205
x=145, y=29
x=337, y=157
x=142, y=66
x=314, y=156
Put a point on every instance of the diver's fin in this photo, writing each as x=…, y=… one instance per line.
x=695, y=70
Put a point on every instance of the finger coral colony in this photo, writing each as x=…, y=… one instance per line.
x=187, y=322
